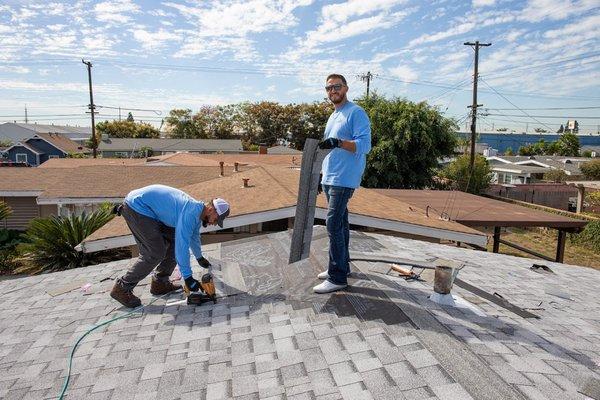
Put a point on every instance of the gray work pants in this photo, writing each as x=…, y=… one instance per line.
x=156, y=243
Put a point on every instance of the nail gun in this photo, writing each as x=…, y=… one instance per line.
x=207, y=291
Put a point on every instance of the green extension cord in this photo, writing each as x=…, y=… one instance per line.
x=93, y=328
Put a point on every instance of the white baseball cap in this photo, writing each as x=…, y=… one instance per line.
x=222, y=208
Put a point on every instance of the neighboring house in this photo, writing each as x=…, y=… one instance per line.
x=529, y=169
x=42, y=147
x=127, y=147
x=18, y=132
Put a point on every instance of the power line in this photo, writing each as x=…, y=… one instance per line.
x=546, y=64
x=514, y=105
x=546, y=108
x=544, y=116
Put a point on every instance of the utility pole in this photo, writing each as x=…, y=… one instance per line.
x=367, y=78
x=92, y=108
x=119, y=113
x=474, y=106
x=26, y=120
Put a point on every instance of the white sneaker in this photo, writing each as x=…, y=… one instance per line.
x=327, y=287
x=325, y=275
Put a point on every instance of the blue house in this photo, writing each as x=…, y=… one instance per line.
x=40, y=148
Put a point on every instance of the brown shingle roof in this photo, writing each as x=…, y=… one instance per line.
x=271, y=188
x=100, y=181
x=86, y=162
x=63, y=143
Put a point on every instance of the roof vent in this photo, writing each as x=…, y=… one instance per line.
x=246, y=182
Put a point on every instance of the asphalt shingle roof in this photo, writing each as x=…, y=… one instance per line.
x=269, y=337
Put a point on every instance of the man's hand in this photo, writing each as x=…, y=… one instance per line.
x=204, y=263
x=191, y=284
x=330, y=143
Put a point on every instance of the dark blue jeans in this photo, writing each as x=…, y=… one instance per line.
x=339, y=232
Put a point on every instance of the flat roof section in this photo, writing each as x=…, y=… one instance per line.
x=472, y=210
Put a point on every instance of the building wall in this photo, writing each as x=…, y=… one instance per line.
x=24, y=209
x=31, y=156
x=47, y=210
x=46, y=148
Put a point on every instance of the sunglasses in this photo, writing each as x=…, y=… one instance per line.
x=337, y=87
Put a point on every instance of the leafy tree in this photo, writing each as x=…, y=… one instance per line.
x=130, y=117
x=458, y=171
x=263, y=122
x=501, y=130
x=540, y=130
x=50, y=242
x=591, y=170
x=509, y=152
x=586, y=153
x=146, y=151
x=561, y=129
x=5, y=143
x=218, y=122
x=408, y=139
x=126, y=129
x=308, y=121
x=5, y=210
x=182, y=125
x=568, y=145
x=556, y=175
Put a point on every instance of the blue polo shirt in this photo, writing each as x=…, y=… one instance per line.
x=341, y=167
x=176, y=209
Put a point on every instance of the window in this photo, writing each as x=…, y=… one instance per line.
x=22, y=157
x=53, y=156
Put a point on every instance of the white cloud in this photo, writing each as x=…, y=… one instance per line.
x=459, y=29
x=154, y=40
x=483, y=3
x=538, y=10
x=115, y=11
x=404, y=72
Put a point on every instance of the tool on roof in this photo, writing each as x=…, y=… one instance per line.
x=206, y=293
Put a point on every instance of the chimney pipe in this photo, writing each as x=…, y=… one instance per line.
x=221, y=165
x=245, y=182
x=236, y=166
x=262, y=148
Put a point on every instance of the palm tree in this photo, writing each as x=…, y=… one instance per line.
x=5, y=210
x=50, y=242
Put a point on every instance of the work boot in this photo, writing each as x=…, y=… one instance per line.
x=125, y=297
x=160, y=287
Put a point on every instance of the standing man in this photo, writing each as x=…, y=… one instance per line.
x=165, y=223
x=348, y=134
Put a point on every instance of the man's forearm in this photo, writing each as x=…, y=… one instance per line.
x=348, y=145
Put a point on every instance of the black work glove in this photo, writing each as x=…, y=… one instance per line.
x=320, y=187
x=204, y=263
x=192, y=284
x=330, y=143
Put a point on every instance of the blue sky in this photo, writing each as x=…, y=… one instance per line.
x=159, y=55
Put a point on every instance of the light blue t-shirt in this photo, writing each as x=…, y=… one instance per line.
x=176, y=209
x=341, y=167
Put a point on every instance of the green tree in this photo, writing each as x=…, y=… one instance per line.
x=126, y=129
x=218, y=122
x=593, y=198
x=263, y=122
x=561, y=129
x=5, y=210
x=556, y=175
x=586, y=153
x=509, y=152
x=5, y=143
x=182, y=125
x=308, y=121
x=50, y=242
x=458, y=171
x=408, y=139
x=568, y=145
x=130, y=117
x=591, y=170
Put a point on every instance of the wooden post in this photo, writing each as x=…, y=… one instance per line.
x=560, y=246
x=580, y=197
x=496, y=247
